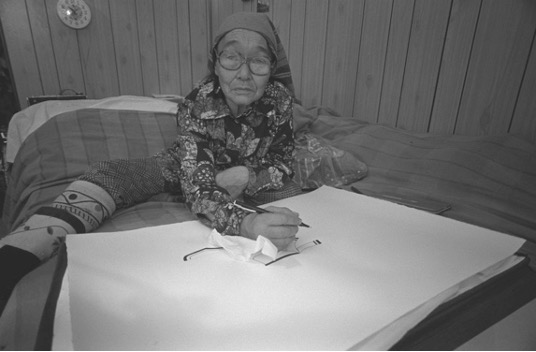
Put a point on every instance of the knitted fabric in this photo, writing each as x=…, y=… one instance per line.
x=82, y=207
x=128, y=182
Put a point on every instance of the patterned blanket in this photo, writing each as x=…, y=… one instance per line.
x=61, y=149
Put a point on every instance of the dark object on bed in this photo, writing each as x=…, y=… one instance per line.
x=40, y=98
x=458, y=320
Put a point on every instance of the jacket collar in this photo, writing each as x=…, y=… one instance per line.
x=209, y=103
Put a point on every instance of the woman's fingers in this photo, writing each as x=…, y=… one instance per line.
x=283, y=210
x=285, y=231
x=280, y=226
x=282, y=216
x=282, y=243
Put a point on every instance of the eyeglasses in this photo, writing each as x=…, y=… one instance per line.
x=293, y=249
x=258, y=65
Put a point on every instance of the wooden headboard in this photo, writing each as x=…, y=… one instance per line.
x=445, y=66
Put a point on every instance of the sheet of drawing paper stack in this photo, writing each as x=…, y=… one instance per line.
x=377, y=261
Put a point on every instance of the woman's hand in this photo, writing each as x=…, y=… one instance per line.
x=280, y=226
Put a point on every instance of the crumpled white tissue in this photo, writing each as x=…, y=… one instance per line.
x=241, y=248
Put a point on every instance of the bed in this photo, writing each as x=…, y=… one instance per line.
x=489, y=181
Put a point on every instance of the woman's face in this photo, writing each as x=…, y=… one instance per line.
x=241, y=87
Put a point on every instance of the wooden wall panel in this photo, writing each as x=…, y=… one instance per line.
x=296, y=47
x=342, y=55
x=185, y=47
x=21, y=50
x=458, y=43
x=314, y=45
x=443, y=66
x=424, y=56
x=200, y=39
x=66, y=53
x=220, y=9
x=147, y=44
x=395, y=61
x=167, y=46
x=97, y=52
x=43, y=45
x=375, y=35
x=502, y=44
x=524, y=120
x=127, y=48
x=280, y=12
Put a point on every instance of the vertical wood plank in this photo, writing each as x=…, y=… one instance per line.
x=458, y=43
x=524, y=120
x=214, y=12
x=200, y=39
x=342, y=52
x=185, y=51
x=271, y=5
x=502, y=43
x=43, y=46
x=147, y=45
x=313, y=52
x=66, y=52
x=167, y=46
x=424, y=56
x=280, y=13
x=238, y=5
x=126, y=44
x=97, y=53
x=295, y=51
x=247, y=6
x=395, y=61
x=372, y=53
x=19, y=42
x=220, y=9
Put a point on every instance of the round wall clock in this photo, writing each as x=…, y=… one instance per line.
x=74, y=13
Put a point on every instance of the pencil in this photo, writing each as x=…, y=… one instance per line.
x=258, y=210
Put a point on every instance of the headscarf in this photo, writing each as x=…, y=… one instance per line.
x=260, y=23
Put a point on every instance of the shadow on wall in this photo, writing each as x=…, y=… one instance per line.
x=8, y=106
x=8, y=99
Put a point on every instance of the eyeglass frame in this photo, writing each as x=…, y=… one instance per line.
x=246, y=61
x=298, y=250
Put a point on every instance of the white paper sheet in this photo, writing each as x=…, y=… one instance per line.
x=377, y=261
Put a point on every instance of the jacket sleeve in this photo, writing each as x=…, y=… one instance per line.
x=190, y=162
x=276, y=167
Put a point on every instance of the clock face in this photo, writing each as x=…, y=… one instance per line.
x=74, y=13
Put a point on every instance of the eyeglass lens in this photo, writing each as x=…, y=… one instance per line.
x=257, y=65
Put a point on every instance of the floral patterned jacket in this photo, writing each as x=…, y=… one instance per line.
x=210, y=139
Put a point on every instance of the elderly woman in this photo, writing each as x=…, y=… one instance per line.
x=235, y=139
